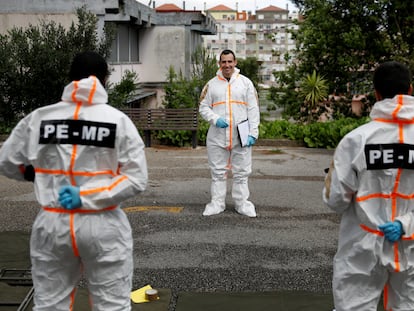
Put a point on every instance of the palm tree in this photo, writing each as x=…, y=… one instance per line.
x=314, y=90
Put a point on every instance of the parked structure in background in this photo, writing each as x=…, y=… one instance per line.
x=264, y=35
x=148, y=41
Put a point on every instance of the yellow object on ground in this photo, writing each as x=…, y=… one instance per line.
x=138, y=296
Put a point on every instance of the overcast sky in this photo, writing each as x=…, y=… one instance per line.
x=247, y=5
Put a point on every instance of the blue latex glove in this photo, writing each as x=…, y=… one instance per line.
x=69, y=197
x=221, y=123
x=250, y=141
x=392, y=230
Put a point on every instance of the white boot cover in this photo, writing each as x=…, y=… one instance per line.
x=240, y=193
x=218, y=198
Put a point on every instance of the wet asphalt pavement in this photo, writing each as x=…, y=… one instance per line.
x=289, y=246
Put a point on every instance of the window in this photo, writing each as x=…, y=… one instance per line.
x=125, y=47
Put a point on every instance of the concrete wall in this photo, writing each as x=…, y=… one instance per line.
x=8, y=21
x=53, y=6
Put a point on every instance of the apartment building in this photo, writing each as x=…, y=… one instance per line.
x=231, y=31
x=264, y=35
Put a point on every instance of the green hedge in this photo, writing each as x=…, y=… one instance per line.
x=313, y=135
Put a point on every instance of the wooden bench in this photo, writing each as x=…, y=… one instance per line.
x=164, y=119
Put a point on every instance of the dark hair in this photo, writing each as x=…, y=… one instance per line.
x=85, y=64
x=392, y=78
x=227, y=52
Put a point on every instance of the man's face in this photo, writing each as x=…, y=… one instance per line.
x=227, y=64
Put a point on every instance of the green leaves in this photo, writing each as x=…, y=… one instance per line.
x=314, y=89
x=341, y=37
x=35, y=61
x=313, y=135
x=120, y=93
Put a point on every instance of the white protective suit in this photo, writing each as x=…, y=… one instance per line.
x=371, y=182
x=235, y=101
x=84, y=142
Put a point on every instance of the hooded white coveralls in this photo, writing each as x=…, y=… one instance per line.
x=84, y=142
x=371, y=182
x=235, y=101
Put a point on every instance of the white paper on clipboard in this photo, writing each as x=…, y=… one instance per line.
x=244, y=129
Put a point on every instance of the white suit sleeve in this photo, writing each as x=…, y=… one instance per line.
x=132, y=174
x=205, y=108
x=13, y=153
x=341, y=182
x=253, y=112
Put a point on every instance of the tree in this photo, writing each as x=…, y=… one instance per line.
x=342, y=39
x=122, y=92
x=34, y=62
x=250, y=68
x=181, y=92
x=313, y=89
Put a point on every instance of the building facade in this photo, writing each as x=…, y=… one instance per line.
x=231, y=31
x=148, y=41
x=264, y=35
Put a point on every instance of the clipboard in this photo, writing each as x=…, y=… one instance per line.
x=243, y=128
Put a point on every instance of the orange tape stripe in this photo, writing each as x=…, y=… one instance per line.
x=230, y=116
x=218, y=103
x=401, y=133
x=76, y=173
x=221, y=78
x=72, y=236
x=400, y=126
x=373, y=196
x=397, y=179
x=239, y=102
x=397, y=121
x=92, y=92
x=373, y=231
x=78, y=210
x=74, y=147
x=75, y=89
x=76, y=115
x=398, y=108
x=395, y=193
x=385, y=298
x=72, y=164
x=72, y=299
x=101, y=189
x=396, y=257
x=386, y=196
x=408, y=238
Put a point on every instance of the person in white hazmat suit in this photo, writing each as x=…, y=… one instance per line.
x=371, y=183
x=227, y=100
x=85, y=158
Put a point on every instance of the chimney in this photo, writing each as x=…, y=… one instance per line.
x=153, y=4
x=183, y=5
x=237, y=7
